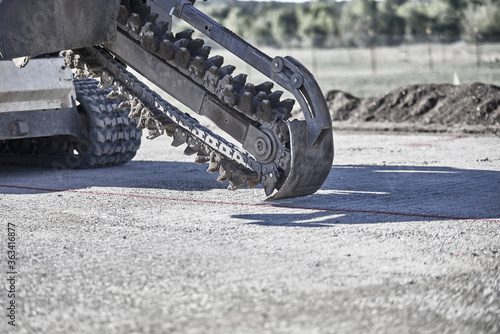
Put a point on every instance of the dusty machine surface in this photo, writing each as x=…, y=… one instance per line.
x=48, y=120
x=101, y=39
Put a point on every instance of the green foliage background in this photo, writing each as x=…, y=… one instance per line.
x=357, y=22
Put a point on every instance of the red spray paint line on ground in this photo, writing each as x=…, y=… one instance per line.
x=188, y=200
x=432, y=142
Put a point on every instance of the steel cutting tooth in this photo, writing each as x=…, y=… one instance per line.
x=286, y=106
x=197, y=69
x=123, y=15
x=204, y=51
x=269, y=182
x=227, y=70
x=148, y=41
x=240, y=80
x=214, y=162
x=180, y=43
x=153, y=125
x=245, y=104
x=227, y=95
x=226, y=91
x=212, y=78
x=163, y=119
x=113, y=94
x=141, y=124
x=125, y=105
x=166, y=51
x=169, y=128
x=153, y=17
x=80, y=74
x=249, y=87
x=261, y=95
x=161, y=28
x=168, y=35
x=67, y=54
x=75, y=61
x=266, y=86
x=195, y=144
x=234, y=186
x=226, y=80
x=121, y=90
x=135, y=108
x=134, y=25
x=253, y=179
x=237, y=180
x=265, y=112
x=105, y=81
x=91, y=67
x=195, y=45
x=215, y=61
x=146, y=116
x=148, y=26
x=180, y=137
x=187, y=33
x=201, y=159
x=189, y=151
x=282, y=113
x=287, y=103
x=275, y=96
x=224, y=174
x=153, y=133
x=204, y=150
x=182, y=58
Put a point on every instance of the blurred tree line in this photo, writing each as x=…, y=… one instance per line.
x=357, y=22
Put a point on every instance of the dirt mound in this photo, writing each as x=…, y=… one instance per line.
x=432, y=107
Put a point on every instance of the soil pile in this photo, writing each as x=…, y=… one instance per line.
x=473, y=108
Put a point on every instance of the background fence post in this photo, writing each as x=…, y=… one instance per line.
x=478, y=46
x=429, y=48
x=373, y=59
x=442, y=38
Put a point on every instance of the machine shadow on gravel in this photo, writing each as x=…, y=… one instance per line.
x=352, y=194
x=383, y=194
x=135, y=174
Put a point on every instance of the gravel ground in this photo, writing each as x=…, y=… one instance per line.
x=402, y=238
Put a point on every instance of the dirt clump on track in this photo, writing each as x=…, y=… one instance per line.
x=471, y=108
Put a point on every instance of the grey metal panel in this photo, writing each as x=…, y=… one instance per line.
x=45, y=83
x=33, y=27
x=41, y=123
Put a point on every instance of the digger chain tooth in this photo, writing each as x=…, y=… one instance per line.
x=158, y=116
x=257, y=103
x=311, y=140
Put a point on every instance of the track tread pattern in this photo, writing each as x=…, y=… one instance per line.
x=113, y=137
